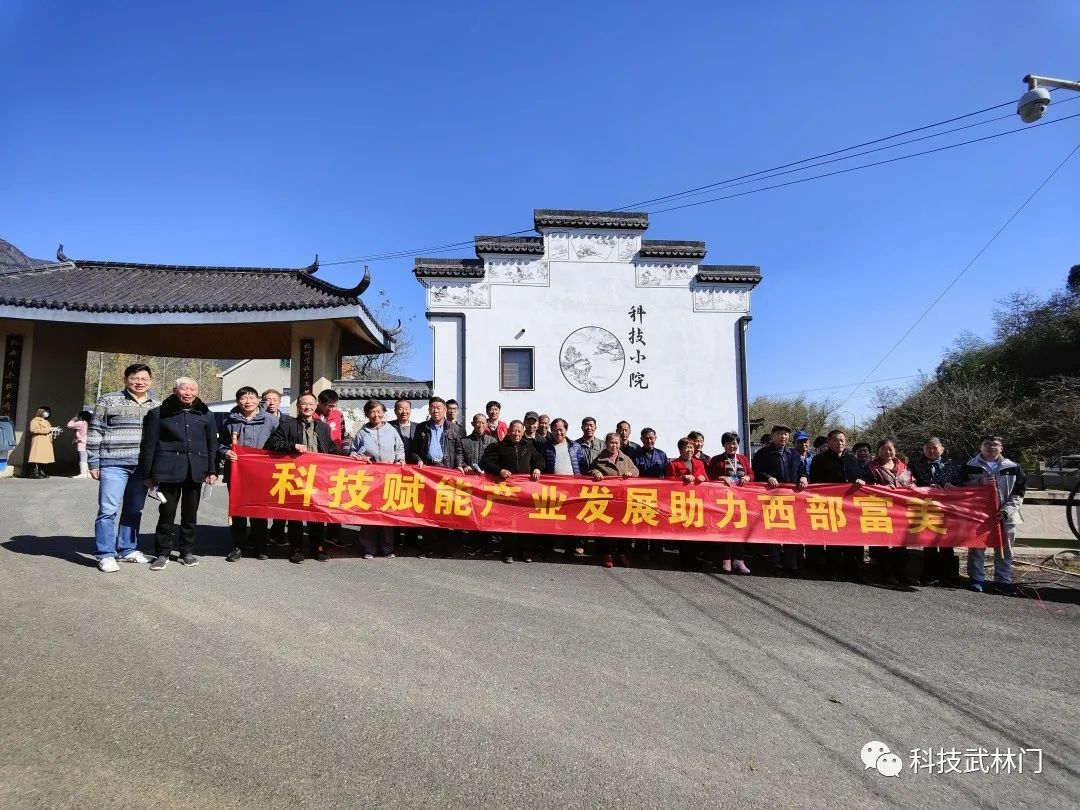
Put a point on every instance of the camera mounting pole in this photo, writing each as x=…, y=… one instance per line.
x=1034, y=81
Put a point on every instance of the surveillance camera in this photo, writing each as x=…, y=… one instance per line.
x=1033, y=105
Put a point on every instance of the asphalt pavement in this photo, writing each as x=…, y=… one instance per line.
x=467, y=682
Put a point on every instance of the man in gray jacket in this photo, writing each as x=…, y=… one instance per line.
x=247, y=425
x=991, y=467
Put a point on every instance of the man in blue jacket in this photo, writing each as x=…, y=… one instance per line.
x=774, y=464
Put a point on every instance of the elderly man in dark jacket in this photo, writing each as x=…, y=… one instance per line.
x=247, y=425
x=838, y=465
x=304, y=435
x=513, y=456
x=437, y=443
x=774, y=464
x=178, y=454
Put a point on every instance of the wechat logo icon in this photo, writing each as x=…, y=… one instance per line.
x=877, y=755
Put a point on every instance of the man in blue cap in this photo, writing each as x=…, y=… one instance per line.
x=802, y=447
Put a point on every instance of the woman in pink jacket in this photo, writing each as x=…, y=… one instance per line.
x=80, y=423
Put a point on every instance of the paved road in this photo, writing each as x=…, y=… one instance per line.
x=467, y=682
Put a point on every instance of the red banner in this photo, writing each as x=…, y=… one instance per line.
x=337, y=489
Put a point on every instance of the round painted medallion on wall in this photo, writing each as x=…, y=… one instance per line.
x=592, y=359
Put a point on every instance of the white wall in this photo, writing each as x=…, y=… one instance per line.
x=690, y=334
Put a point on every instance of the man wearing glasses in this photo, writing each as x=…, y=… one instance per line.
x=112, y=449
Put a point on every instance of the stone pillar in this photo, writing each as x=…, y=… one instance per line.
x=321, y=358
x=53, y=373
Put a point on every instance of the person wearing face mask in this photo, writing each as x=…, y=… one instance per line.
x=80, y=423
x=41, y=443
x=178, y=454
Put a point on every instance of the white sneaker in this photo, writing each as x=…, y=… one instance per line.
x=135, y=556
x=108, y=565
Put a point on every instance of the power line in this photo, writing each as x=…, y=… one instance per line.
x=967, y=267
x=394, y=254
x=840, y=387
x=863, y=166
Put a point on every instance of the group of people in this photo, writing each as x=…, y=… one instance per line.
x=135, y=443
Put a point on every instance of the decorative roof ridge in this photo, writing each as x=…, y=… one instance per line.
x=569, y=218
x=106, y=264
x=732, y=273
x=674, y=248
x=448, y=268
x=509, y=244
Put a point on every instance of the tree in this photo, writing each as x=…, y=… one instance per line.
x=392, y=364
x=800, y=413
x=105, y=372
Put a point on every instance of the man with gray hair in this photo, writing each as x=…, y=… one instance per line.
x=179, y=453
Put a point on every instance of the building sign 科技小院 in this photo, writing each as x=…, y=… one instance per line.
x=637, y=342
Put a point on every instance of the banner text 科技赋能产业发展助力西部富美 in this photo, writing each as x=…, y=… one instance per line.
x=338, y=489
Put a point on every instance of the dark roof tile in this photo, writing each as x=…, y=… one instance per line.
x=509, y=244
x=671, y=249
x=449, y=268
x=93, y=286
x=729, y=273
x=618, y=220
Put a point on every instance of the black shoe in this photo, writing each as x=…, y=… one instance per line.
x=508, y=559
x=189, y=559
x=297, y=558
x=159, y=563
x=322, y=556
x=234, y=555
x=527, y=559
x=262, y=555
x=1002, y=588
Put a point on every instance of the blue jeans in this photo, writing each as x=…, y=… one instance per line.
x=1003, y=559
x=121, y=491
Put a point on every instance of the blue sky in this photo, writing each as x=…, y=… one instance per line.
x=262, y=133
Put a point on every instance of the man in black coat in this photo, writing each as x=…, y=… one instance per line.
x=298, y=436
x=437, y=443
x=513, y=456
x=774, y=464
x=178, y=454
x=837, y=465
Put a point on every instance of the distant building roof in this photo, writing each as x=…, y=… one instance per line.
x=134, y=287
x=616, y=220
x=398, y=388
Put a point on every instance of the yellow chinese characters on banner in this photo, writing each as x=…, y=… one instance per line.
x=328, y=488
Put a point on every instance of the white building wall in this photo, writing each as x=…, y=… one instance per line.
x=688, y=358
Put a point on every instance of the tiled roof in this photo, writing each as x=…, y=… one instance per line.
x=131, y=287
x=730, y=273
x=621, y=220
x=449, y=268
x=671, y=249
x=382, y=389
x=510, y=244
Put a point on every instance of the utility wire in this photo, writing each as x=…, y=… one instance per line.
x=840, y=387
x=966, y=267
x=467, y=243
x=1025, y=128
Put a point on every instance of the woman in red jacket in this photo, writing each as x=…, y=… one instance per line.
x=886, y=470
x=690, y=471
x=732, y=467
